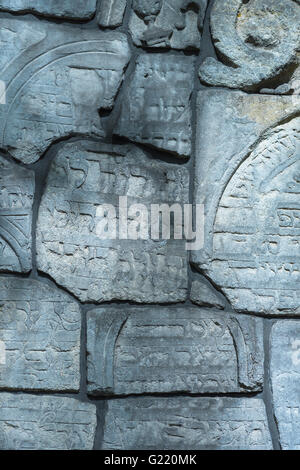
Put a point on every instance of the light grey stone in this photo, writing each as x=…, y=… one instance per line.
x=57, y=78
x=17, y=186
x=256, y=41
x=175, y=24
x=250, y=190
x=162, y=350
x=156, y=107
x=111, y=13
x=36, y=422
x=285, y=380
x=203, y=295
x=40, y=337
x=85, y=176
x=69, y=9
x=186, y=423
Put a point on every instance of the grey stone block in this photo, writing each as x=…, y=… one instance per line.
x=111, y=13
x=156, y=107
x=56, y=78
x=250, y=191
x=175, y=24
x=258, y=39
x=161, y=350
x=85, y=176
x=69, y=9
x=17, y=186
x=186, y=423
x=40, y=337
x=285, y=369
x=203, y=295
x=35, y=422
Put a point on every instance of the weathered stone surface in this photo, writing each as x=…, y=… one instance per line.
x=159, y=350
x=40, y=331
x=203, y=295
x=156, y=104
x=35, y=422
x=175, y=24
x=57, y=78
x=250, y=189
x=186, y=423
x=70, y=9
x=83, y=177
x=258, y=39
x=16, y=198
x=285, y=379
x=111, y=13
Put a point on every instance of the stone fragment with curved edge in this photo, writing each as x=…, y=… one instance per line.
x=56, y=80
x=256, y=40
x=68, y=9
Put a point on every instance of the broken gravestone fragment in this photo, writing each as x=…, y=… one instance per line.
x=101, y=266
x=69, y=9
x=163, y=350
x=256, y=42
x=40, y=337
x=111, y=13
x=36, y=422
x=186, y=423
x=285, y=379
x=156, y=107
x=250, y=190
x=203, y=295
x=17, y=186
x=176, y=24
x=56, y=78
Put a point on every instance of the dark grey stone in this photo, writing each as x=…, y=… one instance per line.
x=156, y=107
x=57, y=78
x=258, y=39
x=111, y=13
x=250, y=190
x=203, y=295
x=40, y=337
x=36, y=422
x=16, y=198
x=161, y=350
x=70, y=9
x=83, y=177
x=175, y=24
x=186, y=423
x=285, y=379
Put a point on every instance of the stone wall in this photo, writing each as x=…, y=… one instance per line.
x=141, y=344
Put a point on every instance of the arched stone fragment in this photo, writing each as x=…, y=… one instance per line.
x=40, y=337
x=37, y=422
x=69, y=9
x=83, y=177
x=250, y=189
x=178, y=423
x=172, y=350
x=156, y=107
x=256, y=40
x=16, y=199
x=175, y=24
x=56, y=79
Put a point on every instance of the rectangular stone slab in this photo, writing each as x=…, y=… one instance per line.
x=160, y=350
x=40, y=336
x=285, y=380
x=250, y=190
x=17, y=187
x=37, y=422
x=83, y=177
x=111, y=13
x=70, y=9
x=186, y=423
